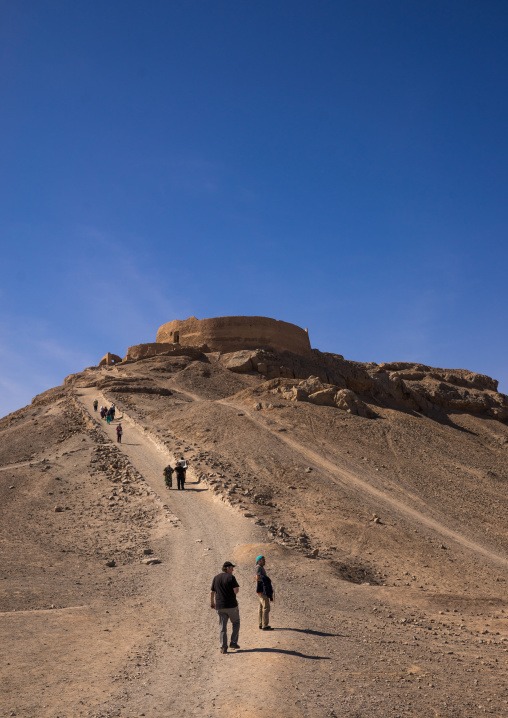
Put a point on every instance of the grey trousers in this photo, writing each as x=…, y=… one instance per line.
x=226, y=614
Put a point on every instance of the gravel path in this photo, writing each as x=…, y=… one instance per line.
x=188, y=674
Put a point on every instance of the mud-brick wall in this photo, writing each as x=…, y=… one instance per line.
x=229, y=334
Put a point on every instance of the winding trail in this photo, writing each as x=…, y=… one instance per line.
x=19, y=465
x=191, y=677
x=298, y=669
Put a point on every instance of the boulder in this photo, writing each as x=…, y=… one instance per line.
x=241, y=361
x=312, y=385
x=297, y=394
x=325, y=397
x=347, y=400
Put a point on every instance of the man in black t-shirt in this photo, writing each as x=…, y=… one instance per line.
x=223, y=598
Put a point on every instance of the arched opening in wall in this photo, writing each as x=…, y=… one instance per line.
x=177, y=338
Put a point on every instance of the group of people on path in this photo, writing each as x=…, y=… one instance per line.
x=181, y=474
x=223, y=598
x=109, y=415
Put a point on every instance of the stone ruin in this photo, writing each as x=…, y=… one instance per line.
x=219, y=334
x=110, y=359
x=230, y=334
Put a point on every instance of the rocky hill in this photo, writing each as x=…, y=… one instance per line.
x=436, y=435
x=391, y=477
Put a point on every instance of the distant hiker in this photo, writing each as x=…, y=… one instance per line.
x=168, y=476
x=119, y=432
x=112, y=411
x=265, y=594
x=223, y=599
x=95, y=404
x=108, y=415
x=102, y=412
x=181, y=473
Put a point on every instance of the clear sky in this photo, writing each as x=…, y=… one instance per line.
x=338, y=164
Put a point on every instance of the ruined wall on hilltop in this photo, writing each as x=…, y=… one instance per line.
x=229, y=334
x=143, y=351
x=110, y=359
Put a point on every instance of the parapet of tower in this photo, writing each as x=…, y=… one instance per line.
x=230, y=334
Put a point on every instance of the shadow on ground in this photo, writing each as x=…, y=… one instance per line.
x=286, y=653
x=310, y=632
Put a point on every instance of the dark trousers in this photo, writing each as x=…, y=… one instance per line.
x=180, y=482
x=119, y=438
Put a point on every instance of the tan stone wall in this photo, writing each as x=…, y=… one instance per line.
x=109, y=359
x=143, y=351
x=229, y=334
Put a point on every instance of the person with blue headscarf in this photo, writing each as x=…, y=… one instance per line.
x=265, y=594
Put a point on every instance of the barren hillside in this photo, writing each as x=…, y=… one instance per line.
x=377, y=492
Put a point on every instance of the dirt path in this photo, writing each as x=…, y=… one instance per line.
x=342, y=477
x=188, y=675
x=19, y=465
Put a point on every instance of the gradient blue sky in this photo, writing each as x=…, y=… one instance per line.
x=337, y=164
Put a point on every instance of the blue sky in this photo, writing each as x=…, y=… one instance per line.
x=337, y=164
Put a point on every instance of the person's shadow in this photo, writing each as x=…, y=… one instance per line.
x=310, y=632
x=298, y=654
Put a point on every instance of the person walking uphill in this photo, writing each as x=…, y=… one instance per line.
x=181, y=473
x=223, y=599
x=265, y=594
x=119, y=432
x=95, y=404
x=168, y=476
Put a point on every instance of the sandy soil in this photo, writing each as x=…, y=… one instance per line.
x=403, y=616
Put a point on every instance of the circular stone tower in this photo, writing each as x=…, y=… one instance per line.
x=230, y=334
